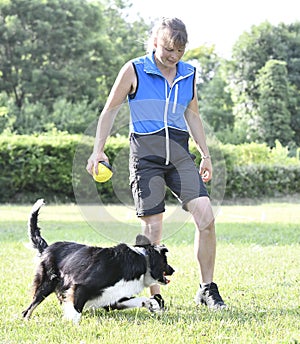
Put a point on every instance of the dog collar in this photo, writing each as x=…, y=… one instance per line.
x=140, y=250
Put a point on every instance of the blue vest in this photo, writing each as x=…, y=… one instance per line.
x=155, y=105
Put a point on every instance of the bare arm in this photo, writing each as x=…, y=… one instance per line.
x=125, y=84
x=198, y=134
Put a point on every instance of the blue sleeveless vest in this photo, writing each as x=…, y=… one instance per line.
x=155, y=107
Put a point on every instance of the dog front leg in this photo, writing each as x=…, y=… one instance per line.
x=76, y=298
x=138, y=302
x=70, y=312
x=133, y=302
x=155, y=303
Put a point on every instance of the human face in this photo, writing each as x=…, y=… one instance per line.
x=166, y=54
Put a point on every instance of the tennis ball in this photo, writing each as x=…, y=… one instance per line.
x=105, y=172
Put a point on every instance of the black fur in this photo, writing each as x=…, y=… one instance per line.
x=79, y=273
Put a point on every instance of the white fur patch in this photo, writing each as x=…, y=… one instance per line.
x=137, y=302
x=120, y=290
x=37, y=205
x=70, y=312
x=139, y=250
x=152, y=305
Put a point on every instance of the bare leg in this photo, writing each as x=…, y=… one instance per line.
x=152, y=229
x=205, y=237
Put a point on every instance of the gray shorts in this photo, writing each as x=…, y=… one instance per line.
x=149, y=177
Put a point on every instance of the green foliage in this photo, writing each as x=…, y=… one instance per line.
x=273, y=103
x=216, y=104
x=207, y=62
x=71, y=117
x=255, y=170
x=262, y=181
x=49, y=49
x=7, y=120
x=54, y=165
x=29, y=119
x=58, y=59
x=32, y=118
x=69, y=49
x=33, y=166
x=258, y=154
x=251, y=53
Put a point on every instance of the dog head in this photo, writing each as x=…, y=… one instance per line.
x=159, y=267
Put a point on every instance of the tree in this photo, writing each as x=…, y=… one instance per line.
x=124, y=38
x=207, y=61
x=49, y=49
x=273, y=110
x=58, y=52
x=214, y=95
x=216, y=105
x=251, y=52
x=54, y=48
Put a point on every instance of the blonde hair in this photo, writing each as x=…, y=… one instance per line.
x=174, y=31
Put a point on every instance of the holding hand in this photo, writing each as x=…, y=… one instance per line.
x=93, y=161
x=205, y=169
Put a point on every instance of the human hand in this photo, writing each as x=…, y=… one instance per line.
x=206, y=170
x=93, y=161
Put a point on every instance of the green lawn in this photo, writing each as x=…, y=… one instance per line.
x=257, y=269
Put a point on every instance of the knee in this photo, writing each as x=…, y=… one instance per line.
x=202, y=213
x=206, y=224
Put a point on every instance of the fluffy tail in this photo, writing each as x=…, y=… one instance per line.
x=33, y=230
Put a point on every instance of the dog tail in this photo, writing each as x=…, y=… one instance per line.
x=34, y=233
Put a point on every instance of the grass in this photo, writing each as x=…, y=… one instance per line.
x=257, y=270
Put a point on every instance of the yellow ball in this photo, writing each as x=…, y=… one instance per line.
x=105, y=172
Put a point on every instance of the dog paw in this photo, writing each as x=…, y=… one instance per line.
x=70, y=313
x=155, y=304
x=75, y=319
x=151, y=305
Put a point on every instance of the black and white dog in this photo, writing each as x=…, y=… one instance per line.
x=93, y=277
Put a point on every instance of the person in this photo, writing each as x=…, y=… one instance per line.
x=164, y=114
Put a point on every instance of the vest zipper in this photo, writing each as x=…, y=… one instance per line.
x=175, y=99
x=166, y=123
x=168, y=96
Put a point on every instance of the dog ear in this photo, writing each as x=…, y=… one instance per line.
x=142, y=240
x=161, y=249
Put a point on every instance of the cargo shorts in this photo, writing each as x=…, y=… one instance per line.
x=150, y=176
x=153, y=170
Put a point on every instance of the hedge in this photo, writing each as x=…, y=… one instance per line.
x=36, y=166
x=263, y=181
x=53, y=167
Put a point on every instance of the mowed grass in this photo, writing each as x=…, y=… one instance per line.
x=257, y=270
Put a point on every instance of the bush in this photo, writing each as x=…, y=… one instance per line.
x=32, y=118
x=32, y=166
x=258, y=153
x=43, y=166
x=255, y=170
x=263, y=181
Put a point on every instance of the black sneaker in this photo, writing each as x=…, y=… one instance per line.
x=209, y=295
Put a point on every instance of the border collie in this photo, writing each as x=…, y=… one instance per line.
x=93, y=277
